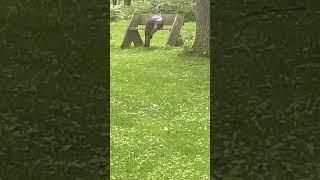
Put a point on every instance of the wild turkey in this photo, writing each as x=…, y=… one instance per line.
x=153, y=25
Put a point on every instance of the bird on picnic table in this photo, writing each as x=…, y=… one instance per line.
x=153, y=25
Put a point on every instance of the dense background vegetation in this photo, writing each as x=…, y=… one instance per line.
x=123, y=12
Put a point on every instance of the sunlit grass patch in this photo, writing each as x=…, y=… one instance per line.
x=159, y=110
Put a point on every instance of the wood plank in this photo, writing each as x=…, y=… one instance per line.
x=175, y=31
x=129, y=37
x=136, y=38
x=167, y=19
x=135, y=20
x=175, y=21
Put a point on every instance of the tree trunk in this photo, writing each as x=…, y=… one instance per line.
x=127, y=2
x=202, y=42
x=114, y=2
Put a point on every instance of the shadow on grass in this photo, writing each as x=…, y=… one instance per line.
x=180, y=51
x=152, y=48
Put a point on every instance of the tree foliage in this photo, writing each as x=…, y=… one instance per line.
x=265, y=78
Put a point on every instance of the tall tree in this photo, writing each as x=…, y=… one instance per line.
x=202, y=41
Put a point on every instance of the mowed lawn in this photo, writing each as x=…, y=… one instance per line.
x=159, y=111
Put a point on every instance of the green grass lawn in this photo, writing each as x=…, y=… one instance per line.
x=159, y=110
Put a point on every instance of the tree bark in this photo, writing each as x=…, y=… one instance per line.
x=202, y=41
x=114, y=2
x=127, y=2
